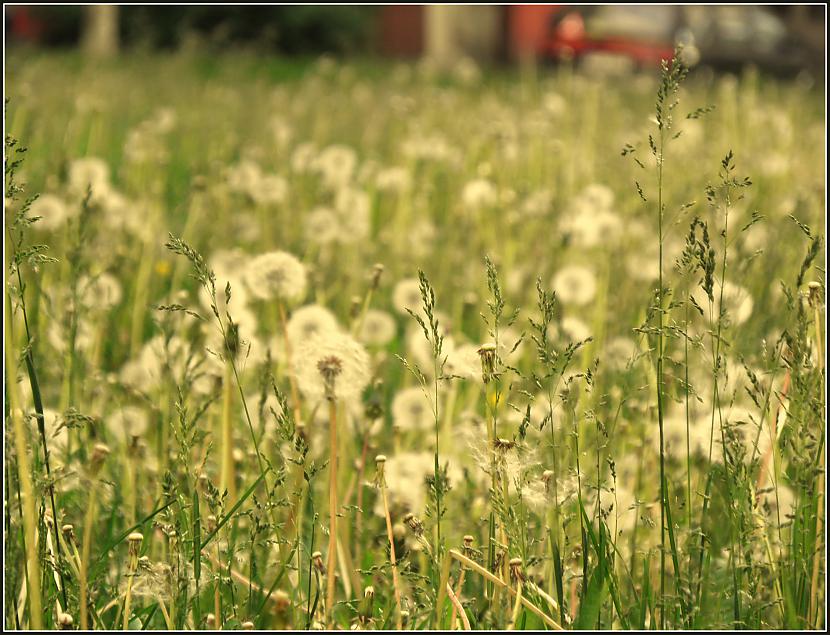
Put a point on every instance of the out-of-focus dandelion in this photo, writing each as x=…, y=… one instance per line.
x=52, y=210
x=277, y=275
x=575, y=284
x=378, y=328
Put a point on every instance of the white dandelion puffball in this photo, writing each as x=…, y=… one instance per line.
x=343, y=356
x=270, y=190
x=303, y=157
x=394, y=179
x=598, y=195
x=464, y=361
x=276, y=274
x=620, y=351
x=378, y=328
x=58, y=333
x=101, y=292
x=406, y=480
x=52, y=210
x=479, y=193
x=244, y=177
x=310, y=321
x=412, y=410
x=575, y=285
x=55, y=437
x=511, y=344
x=407, y=295
x=322, y=226
x=88, y=172
x=353, y=209
x=336, y=164
x=570, y=329
x=128, y=422
x=737, y=302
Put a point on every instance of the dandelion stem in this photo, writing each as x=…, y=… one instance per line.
x=456, y=608
x=89, y=522
x=393, y=561
x=332, y=554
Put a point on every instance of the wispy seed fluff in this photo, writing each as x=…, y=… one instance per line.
x=575, y=284
x=378, y=328
x=412, y=410
x=310, y=321
x=407, y=295
x=277, y=275
x=52, y=211
x=332, y=351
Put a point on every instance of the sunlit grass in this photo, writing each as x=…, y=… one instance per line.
x=318, y=344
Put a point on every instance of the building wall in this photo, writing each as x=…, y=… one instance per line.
x=527, y=27
x=401, y=30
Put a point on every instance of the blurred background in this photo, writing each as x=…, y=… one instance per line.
x=784, y=39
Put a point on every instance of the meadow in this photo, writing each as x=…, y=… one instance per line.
x=362, y=345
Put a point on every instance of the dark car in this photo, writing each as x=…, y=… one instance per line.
x=643, y=35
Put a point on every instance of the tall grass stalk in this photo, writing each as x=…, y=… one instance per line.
x=24, y=477
x=815, y=607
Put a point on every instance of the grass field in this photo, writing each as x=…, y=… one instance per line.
x=361, y=345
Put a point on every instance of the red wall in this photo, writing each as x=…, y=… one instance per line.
x=401, y=30
x=527, y=26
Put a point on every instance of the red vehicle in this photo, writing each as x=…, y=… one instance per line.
x=581, y=31
x=643, y=35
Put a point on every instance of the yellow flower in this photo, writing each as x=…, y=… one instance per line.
x=163, y=268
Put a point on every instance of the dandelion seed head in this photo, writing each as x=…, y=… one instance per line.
x=276, y=275
x=270, y=189
x=100, y=292
x=88, y=172
x=479, y=194
x=328, y=356
x=378, y=328
x=407, y=295
x=309, y=321
x=127, y=422
x=575, y=284
x=322, y=226
x=412, y=410
x=393, y=179
x=464, y=361
x=570, y=329
x=336, y=164
x=353, y=209
x=53, y=212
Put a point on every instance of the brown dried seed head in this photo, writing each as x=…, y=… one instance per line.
x=281, y=601
x=814, y=291
x=414, y=524
x=317, y=561
x=99, y=455
x=377, y=271
x=68, y=532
